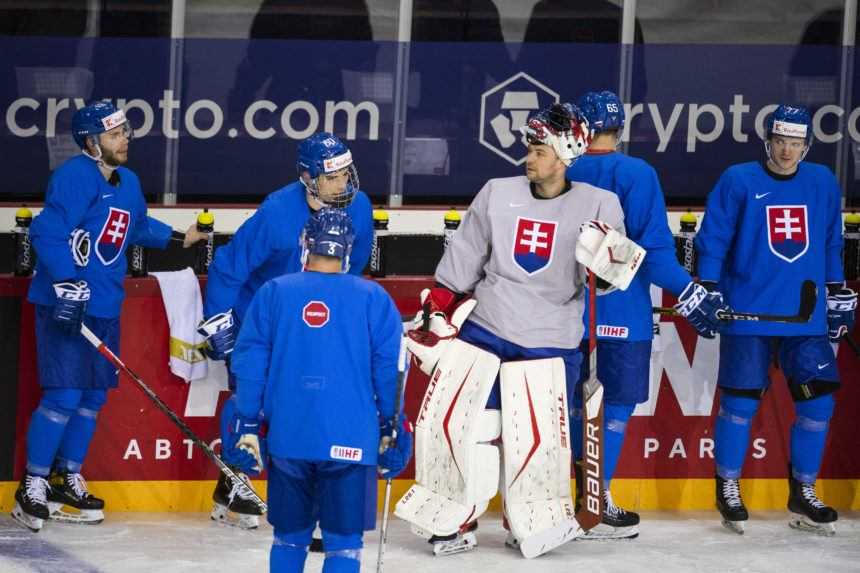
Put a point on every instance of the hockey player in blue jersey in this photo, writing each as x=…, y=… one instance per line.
x=624, y=319
x=94, y=210
x=769, y=226
x=316, y=360
x=267, y=246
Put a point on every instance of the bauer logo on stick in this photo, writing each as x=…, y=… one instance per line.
x=533, y=244
x=113, y=235
x=787, y=231
x=315, y=314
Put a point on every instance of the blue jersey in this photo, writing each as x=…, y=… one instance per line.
x=79, y=197
x=763, y=236
x=268, y=245
x=318, y=354
x=627, y=314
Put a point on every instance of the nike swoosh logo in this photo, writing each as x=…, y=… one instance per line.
x=823, y=366
x=757, y=196
x=517, y=204
x=108, y=195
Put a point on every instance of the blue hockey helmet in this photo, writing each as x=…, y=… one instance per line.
x=603, y=110
x=323, y=154
x=95, y=118
x=563, y=127
x=329, y=232
x=789, y=121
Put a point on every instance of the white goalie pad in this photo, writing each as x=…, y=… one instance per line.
x=537, y=455
x=456, y=469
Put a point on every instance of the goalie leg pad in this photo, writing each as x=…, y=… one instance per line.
x=456, y=471
x=536, y=441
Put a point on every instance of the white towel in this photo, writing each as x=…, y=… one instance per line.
x=183, y=304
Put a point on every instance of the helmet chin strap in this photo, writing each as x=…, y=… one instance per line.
x=98, y=158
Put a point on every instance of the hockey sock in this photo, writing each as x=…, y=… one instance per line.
x=732, y=433
x=343, y=552
x=808, y=434
x=615, y=418
x=79, y=431
x=47, y=427
x=289, y=551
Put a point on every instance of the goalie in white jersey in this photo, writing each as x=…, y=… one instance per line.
x=514, y=251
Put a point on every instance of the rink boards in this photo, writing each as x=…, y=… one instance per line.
x=140, y=462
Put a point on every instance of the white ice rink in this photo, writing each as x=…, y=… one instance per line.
x=669, y=543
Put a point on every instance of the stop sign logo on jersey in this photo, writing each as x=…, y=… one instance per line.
x=315, y=314
x=787, y=231
x=533, y=244
x=113, y=235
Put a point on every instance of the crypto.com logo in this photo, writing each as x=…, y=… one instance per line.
x=505, y=108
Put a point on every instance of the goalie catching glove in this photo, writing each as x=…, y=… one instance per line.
x=427, y=341
x=608, y=254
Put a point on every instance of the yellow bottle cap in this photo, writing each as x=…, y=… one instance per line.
x=452, y=215
x=688, y=218
x=852, y=219
x=380, y=215
x=206, y=218
x=23, y=213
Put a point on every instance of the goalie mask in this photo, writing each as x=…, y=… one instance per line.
x=329, y=233
x=325, y=157
x=563, y=127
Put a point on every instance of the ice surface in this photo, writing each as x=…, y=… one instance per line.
x=669, y=543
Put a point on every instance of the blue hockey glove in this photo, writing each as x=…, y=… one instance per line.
x=243, y=446
x=71, y=305
x=841, y=309
x=220, y=333
x=701, y=307
x=394, y=455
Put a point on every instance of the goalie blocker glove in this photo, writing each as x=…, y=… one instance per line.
x=702, y=308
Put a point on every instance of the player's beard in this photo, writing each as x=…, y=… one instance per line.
x=114, y=158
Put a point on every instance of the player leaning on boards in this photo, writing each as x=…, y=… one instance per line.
x=317, y=361
x=624, y=318
x=267, y=246
x=514, y=252
x=79, y=280
x=769, y=226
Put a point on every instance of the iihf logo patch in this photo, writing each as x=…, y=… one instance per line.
x=533, y=244
x=787, y=231
x=113, y=235
x=315, y=314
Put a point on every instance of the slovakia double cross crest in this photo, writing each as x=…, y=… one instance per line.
x=533, y=244
x=787, y=231
x=113, y=235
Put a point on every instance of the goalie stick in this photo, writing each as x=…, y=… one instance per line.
x=591, y=511
x=114, y=359
x=808, y=299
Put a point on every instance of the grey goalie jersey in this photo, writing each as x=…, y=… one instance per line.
x=516, y=254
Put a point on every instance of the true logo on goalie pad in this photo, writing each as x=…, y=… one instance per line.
x=787, y=233
x=533, y=244
x=113, y=235
x=315, y=314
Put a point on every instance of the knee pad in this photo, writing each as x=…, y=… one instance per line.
x=299, y=540
x=289, y=551
x=63, y=401
x=342, y=552
x=813, y=415
x=616, y=416
x=738, y=409
x=337, y=542
x=91, y=402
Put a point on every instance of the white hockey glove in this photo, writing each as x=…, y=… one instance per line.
x=427, y=345
x=608, y=254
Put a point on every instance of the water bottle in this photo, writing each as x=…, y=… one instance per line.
x=452, y=223
x=24, y=256
x=684, y=248
x=852, y=247
x=139, y=261
x=377, y=249
x=205, y=249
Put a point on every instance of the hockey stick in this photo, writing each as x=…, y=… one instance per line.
x=591, y=511
x=114, y=359
x=808, y=299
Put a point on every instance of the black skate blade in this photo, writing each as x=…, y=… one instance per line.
x=803, y=523
x=735, y=526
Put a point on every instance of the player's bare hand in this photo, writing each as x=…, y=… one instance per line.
x=192, y=236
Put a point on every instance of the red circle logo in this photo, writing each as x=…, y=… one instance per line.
x=315, y=314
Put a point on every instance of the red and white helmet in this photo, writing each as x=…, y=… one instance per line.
x=563, y=127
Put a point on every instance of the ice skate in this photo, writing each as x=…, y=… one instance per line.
x=616, y=522
x=234, y=504
x=31, y=502
x=459, y=542
x=809, y=513
x=730, y=505
x=69, y=500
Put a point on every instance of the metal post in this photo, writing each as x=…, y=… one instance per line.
x=400, y=95
x=625, y=61
x=171, y=148
x=846, y=79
